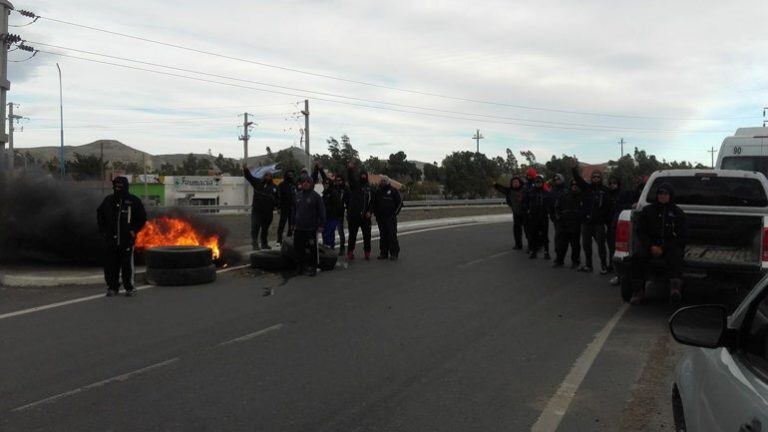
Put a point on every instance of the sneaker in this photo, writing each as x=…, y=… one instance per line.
x=368, y=256
x=393, y=257
x=547, y=256
x=131, y=292
x=603, y=270
x=517, y=248
x=111, y=293
x=575, y=265
x=557, y=264
x=614, y=281
x=312, y=271
x=585, y=269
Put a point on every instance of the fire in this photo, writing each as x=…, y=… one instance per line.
x=167, y=231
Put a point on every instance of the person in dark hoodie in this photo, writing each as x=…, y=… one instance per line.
x=567, y=219
x=386, y=206
x=309, y=219
x=535, y=206
x=286, y=193
x=595, y=213
x=662, y=232
x=120, y=217
x=333, y=198
x=514, y=196
x=265, y=200
x=359, y=210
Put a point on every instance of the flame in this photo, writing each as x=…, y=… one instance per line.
x=168, y=231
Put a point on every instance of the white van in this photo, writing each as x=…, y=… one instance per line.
x=747, y=150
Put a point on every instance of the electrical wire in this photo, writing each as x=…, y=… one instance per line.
x=347, y=80
x=542, y=122
x=26, y=59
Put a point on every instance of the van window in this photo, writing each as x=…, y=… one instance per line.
x=713, y=191
x=746, y=163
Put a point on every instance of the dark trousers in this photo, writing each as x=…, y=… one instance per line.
x=303, y=241
x=261, y=219
x=118, y=260
x=610, y=236
x=388, y=243
x=517, y=229
x=597, y=232
x=329, y=232
x=672, y=259
x=364, y=225
x=545, y=240
x=565, y=237
x=286, y=218
x=537, y=234
x=342, y=237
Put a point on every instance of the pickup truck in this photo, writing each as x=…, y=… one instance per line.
x=727, y=216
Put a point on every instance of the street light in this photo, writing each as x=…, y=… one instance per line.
x=61, y=116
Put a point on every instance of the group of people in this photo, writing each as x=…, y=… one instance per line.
x=584, y=212
x=306, y=213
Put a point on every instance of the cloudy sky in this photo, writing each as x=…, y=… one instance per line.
x=672, y=77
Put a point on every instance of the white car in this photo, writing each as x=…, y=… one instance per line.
x=722, y=383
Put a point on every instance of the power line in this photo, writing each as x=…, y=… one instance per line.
x=606, y=129
x=347, y=80
x=539, y=123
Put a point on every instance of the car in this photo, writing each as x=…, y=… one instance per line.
x=721, y=382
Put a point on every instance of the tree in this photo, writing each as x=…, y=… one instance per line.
x=348, y=153
x=85, y=167
x=340, y=154
x=559, y=166
x=167, y=169
x=399, y=168
x=228, y=165
x=469, y=174
x=375, y=165
x=128, y=167
x=433, y=173
x=511, y=166
x=287, y=161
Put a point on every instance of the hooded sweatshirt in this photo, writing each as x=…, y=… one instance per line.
x=121, y=216
x=662, y=224
x=360, y=196
x=595, y=203
x=514, y=196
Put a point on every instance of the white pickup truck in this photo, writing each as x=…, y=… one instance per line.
x=727, y=217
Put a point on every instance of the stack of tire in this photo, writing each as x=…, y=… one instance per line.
x=179, y=265
x=286, y=258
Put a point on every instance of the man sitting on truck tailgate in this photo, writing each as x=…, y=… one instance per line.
x=661, y=232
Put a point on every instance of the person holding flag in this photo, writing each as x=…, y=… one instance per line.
x=265, y=199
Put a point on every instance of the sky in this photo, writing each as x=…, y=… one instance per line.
x=554, y=77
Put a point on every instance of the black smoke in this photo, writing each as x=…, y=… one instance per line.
x=47, y=221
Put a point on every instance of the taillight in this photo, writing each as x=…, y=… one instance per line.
x=765, y=244
x=623, y=229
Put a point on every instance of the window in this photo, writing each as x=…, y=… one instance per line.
x=713, y=191
x=747, y=163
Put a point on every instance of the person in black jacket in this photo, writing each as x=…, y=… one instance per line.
x=286, y=193
x=386, y=207
x=662, y=232
x=535, y=207
x=359, y=209
x=265, y=200
x=595, y=208
x=566, y=216
x=333, y=198
x=514, y=196
x=309, y=219
x=120, y=217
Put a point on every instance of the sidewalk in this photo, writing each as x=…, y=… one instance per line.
x=56, y=276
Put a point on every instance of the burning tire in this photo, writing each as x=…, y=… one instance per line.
x=178, y=257
x=181, y=276
x=271, y=260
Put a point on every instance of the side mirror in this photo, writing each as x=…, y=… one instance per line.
x=701, y=326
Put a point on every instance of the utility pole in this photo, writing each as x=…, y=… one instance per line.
x=305, y=112
x=477, y=138
x=12, y=118
x=5, y=9
x=62, y=165
x=712, y=152
x=621, y=143
x=244, y=138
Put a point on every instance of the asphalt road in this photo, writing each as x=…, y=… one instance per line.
x=461, y=334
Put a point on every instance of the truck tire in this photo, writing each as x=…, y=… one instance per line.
x=181, y=276
x=626, y=289
x=271, y=260
x=328, y=258
x=178, y=257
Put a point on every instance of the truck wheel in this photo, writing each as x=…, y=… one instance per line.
x=178, y=257
x=271, y=260
x=328, y=258
x=626, y=289
x=181, y=276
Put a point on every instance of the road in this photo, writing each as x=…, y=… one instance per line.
x=460, y=334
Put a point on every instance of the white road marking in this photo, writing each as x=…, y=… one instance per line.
x=479, y=260
x=252, y=335
x=119, y=378
x=229, y=269
x=553, y=414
